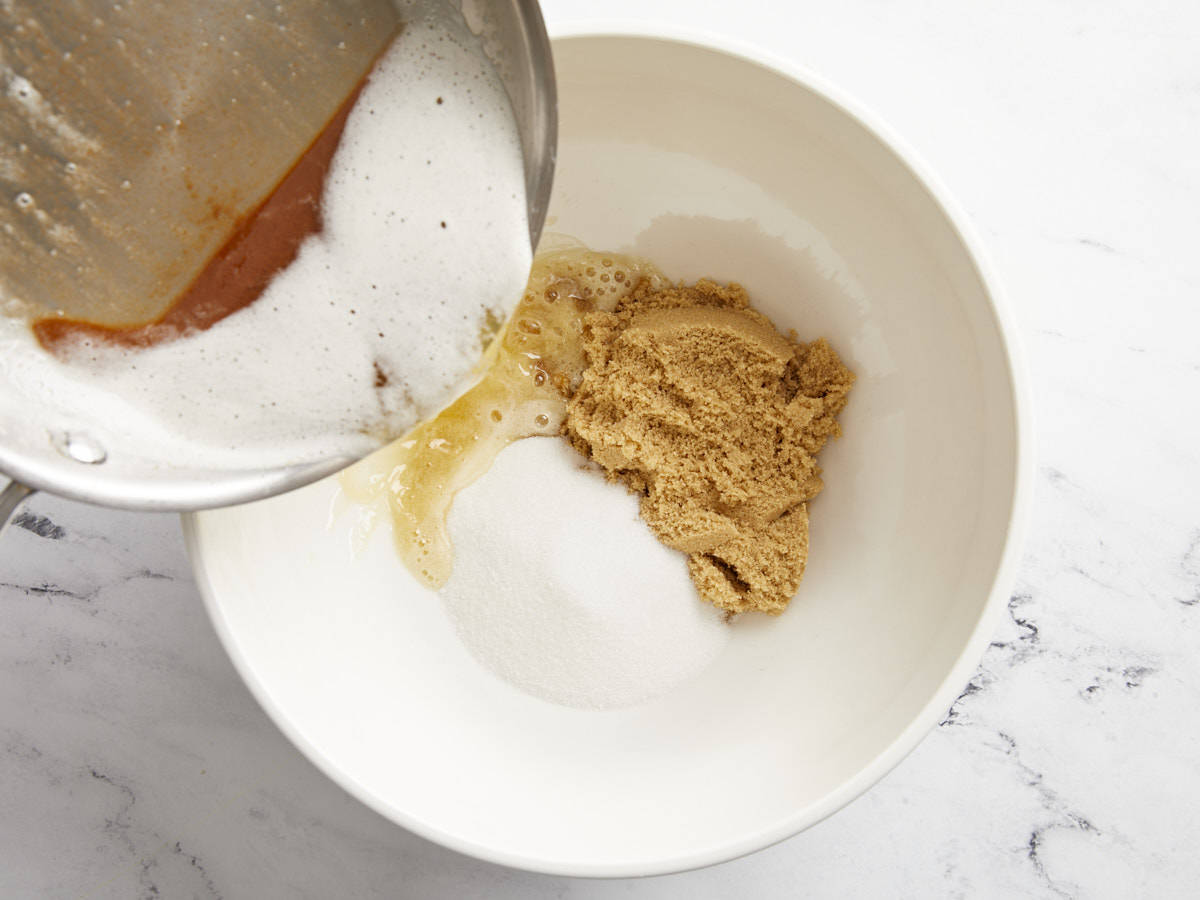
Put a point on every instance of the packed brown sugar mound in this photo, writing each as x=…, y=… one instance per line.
x=698, y=403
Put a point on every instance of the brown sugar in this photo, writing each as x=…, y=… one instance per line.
x=696, y=402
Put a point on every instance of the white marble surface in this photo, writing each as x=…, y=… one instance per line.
x=133, y=763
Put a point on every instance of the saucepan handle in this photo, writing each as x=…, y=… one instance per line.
x=10, y=499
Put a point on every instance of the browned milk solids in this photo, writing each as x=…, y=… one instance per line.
x=691, y=398
x=695, y=401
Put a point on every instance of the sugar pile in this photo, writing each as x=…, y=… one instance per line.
x=563, y=591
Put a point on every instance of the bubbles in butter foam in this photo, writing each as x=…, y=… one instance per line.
x=376, y=323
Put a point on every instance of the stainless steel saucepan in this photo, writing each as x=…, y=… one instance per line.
x=139, y=57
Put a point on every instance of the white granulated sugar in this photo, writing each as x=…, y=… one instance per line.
x=561, y=589
x=425, y=234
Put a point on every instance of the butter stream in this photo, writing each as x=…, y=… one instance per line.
x=521, y=392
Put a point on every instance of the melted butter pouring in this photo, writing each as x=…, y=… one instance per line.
x=526, y=376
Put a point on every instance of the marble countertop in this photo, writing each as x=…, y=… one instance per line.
x=134, y=763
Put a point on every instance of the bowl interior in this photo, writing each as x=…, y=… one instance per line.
x=712, y=166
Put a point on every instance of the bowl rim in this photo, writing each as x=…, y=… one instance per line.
x=964, y=665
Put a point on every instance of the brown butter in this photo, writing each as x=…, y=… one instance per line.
x=261, y=243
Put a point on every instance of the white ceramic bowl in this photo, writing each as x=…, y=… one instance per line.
x=711, y=162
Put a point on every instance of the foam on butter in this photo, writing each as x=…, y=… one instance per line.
x=377, y=322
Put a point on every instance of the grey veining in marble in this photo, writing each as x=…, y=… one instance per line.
x=134, y=763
